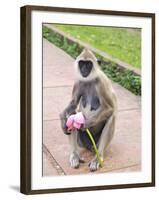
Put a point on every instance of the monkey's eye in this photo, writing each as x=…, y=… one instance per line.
x=86, y=63
x=89, y=64
x=81, y=63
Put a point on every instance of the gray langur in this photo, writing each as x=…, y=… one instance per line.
x=94, y=96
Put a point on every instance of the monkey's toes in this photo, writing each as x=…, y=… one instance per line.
x=93, y=165
x=74, y=160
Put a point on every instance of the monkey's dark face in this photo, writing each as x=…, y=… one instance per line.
x=85, y=67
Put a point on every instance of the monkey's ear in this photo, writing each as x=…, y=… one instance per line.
x=99, y=62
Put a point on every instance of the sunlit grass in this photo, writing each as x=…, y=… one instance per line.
x=121, y=43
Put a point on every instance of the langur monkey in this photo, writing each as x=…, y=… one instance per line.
x=94, y=96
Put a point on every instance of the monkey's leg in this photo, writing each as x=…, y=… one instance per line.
x=106, y=136
x=75, y=154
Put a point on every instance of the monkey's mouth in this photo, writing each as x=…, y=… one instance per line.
x=84, y=73
x=85, y=67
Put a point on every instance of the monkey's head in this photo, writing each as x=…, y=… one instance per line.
x=86, y=66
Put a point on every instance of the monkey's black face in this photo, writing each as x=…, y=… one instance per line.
x=85, y=67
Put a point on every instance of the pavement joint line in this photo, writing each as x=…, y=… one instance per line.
x=124, y=110
x=57, y=86
x=129, y=109
x=53, y=162
x=115, y=169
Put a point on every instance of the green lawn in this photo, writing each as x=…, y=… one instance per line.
x=121, y=43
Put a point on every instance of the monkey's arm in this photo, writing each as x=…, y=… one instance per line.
x=71, y=108
x=98, y=116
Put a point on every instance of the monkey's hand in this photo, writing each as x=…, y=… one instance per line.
x=101, y=115
x=63, y=119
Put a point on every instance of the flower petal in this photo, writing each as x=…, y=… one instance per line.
x=70, y=120
x=79, y=118
x=76, y=125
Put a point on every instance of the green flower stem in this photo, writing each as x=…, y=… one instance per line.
x=100, y=161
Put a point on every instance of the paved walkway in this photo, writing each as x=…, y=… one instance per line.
x=124, y=153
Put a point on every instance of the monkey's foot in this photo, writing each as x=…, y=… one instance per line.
x=94, y=164
x=75, y=160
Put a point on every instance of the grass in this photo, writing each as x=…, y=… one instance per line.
x=121, y=43
x=126, y=78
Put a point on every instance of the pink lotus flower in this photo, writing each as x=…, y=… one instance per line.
x=75, y=121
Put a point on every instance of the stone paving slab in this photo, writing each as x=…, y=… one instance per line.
x=128, y=169
x=48, y=169
x=56, y=70
x=55, y=101
x=124, y=153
